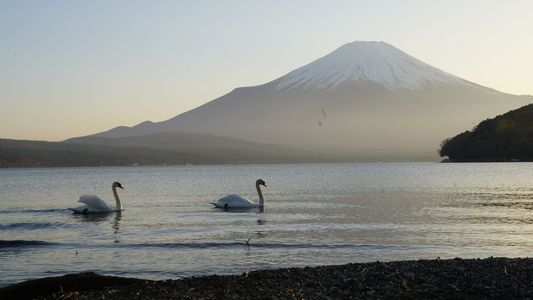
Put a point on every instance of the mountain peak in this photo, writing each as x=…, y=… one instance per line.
x=359, y=45
x=366, y=61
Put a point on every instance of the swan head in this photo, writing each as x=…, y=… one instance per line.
x=260, y=182
x=117, y=185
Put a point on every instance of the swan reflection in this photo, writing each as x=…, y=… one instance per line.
x=113, y=218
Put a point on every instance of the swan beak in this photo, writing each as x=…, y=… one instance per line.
x=264, y=184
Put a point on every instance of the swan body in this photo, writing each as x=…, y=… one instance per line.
x=236, y=201
x=93, y=204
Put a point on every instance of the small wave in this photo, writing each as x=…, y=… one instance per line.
x=184, y=245
x=31, y=211
x=259, y=245
x=324, y=246
x=30, y=225
x=22, y=243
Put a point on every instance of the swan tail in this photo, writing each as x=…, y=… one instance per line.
x=79, y=210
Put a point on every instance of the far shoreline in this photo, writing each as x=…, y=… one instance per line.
x=222, y=164
x=484, y=161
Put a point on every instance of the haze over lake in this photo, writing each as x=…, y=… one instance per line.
x=314, y=214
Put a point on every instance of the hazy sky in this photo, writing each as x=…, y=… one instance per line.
x=71, y=68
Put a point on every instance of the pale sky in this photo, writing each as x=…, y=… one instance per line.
x=72, y=68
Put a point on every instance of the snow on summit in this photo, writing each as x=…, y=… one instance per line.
x=377, y=62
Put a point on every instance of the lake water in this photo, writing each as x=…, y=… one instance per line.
x=314, y=214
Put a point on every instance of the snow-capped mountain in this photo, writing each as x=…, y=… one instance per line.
x=368, y=99
x=376, y=62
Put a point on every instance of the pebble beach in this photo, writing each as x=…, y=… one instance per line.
x=489, y=278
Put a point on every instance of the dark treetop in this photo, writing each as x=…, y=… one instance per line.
x=507, y=137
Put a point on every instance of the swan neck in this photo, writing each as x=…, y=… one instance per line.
x=260, y=193
x=117, y=199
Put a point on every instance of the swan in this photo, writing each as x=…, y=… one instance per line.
x=94, y=204
x=236, y=201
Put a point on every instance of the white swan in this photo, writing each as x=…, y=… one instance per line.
x=94, y=204
x=236, y=201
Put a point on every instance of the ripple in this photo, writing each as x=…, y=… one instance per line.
x=32, y=211
x=251, y=243
x=31, y=225
x=23, y=243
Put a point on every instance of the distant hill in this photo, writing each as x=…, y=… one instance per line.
x=157, y=149
x=507, y=137
x=19, y=153
x=220, y=149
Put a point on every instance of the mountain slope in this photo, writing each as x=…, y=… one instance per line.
x=365, y=98
x=503, y=138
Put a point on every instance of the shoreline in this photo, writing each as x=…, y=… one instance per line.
x=348, y=162
x=488, y=278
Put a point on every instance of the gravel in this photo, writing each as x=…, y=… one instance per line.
x=490, y=278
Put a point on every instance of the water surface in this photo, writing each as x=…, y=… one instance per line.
x=315, y=214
